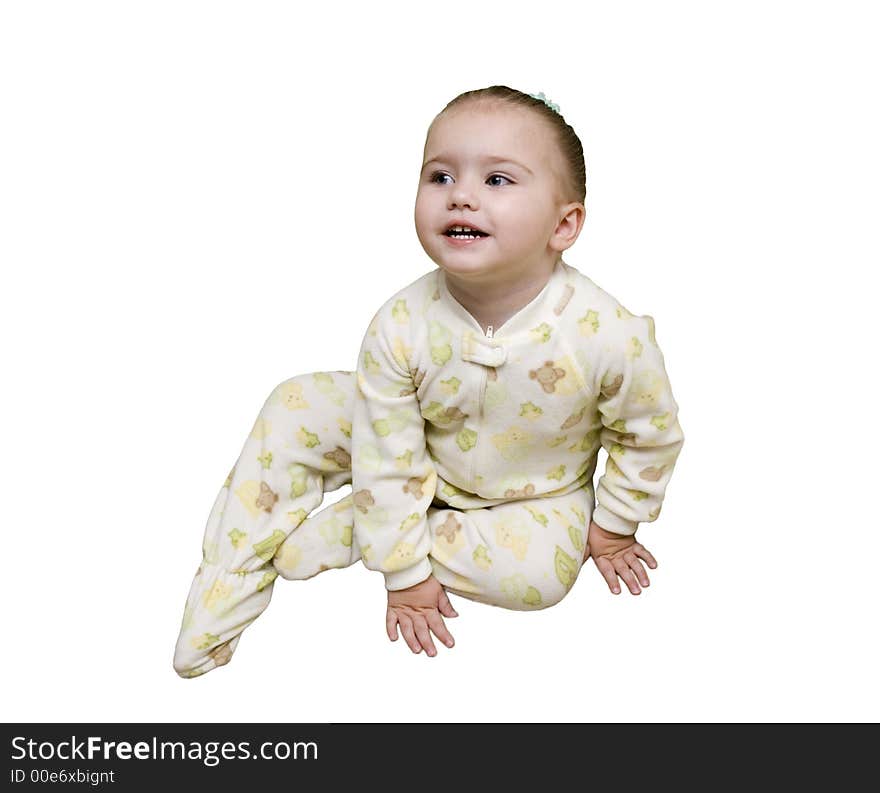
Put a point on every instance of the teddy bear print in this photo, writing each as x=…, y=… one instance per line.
x=291, y=395
x=523, y=492
x=216, y=597
x=449, y=528
x=513, y=444
x=401, y=556
x=363, y=500
x=547, y=376
x=339, y=456
x=267, y=498
x=647, y=389
x=413, y=486
x=513, y=534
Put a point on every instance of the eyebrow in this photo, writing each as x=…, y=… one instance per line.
x=493, y=159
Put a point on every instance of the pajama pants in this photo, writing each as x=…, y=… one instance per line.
x=520, y=554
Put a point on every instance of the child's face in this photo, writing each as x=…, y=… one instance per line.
x=517, y=202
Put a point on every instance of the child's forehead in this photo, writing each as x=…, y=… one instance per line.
x=488, y=121
x=486, y=133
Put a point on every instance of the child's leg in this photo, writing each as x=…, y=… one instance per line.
x=520, y=555
x=299, y=448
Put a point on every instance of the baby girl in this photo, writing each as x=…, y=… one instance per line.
x=470, y=429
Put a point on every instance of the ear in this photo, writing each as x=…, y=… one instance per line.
x=569, y=227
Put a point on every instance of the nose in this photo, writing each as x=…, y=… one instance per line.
x=462, y=195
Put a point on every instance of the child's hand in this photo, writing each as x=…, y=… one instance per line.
x=617, y=555
x=418, y=608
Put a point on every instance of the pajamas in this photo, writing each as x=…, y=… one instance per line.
x=471, y=457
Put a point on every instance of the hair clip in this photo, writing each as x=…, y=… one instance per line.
x=546, y=101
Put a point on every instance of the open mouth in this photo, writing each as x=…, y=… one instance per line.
x=464, y=233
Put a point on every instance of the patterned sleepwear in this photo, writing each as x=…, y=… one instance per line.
x=470, y=454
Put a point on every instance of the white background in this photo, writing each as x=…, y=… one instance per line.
x=200, y=200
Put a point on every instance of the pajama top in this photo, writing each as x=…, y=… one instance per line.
x=448, y=414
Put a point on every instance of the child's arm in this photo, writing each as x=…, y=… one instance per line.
x=394, y=481
x=393, y=478
x=641, y=432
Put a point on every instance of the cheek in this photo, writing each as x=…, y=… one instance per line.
x=425, y=210
x=520, y=223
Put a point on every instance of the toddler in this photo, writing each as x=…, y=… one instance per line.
x=470, y=430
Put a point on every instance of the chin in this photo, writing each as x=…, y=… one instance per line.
x=463, y=267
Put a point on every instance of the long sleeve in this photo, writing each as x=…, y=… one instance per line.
x=393, y=477
x=640, y=432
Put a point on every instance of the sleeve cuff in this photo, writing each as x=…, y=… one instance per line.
x=401, y=579
x=614, y=523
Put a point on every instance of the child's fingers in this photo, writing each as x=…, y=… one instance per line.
x=391, y=624
x=424, y=635
x=640, y=550
x=607, y=570
x=435, y=621
x=406, y=628
x=445, y=606
x=636, y=566
x=627, y=575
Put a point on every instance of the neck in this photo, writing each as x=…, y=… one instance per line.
x=494, y=302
